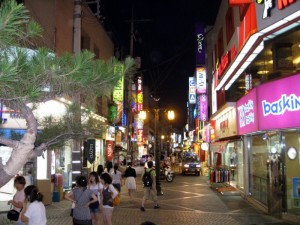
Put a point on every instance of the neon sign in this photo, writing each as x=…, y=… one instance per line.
x=285, y=103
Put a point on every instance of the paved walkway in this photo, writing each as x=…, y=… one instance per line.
x=188, y=200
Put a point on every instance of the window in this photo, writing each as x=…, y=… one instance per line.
x=97, y=52
x=85, y=43
x=229, y=24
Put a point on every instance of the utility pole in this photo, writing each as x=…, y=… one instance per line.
x=76, y=150
x=128, y=85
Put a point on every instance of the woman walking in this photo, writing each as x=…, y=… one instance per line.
x=130, y=181
x=19, y=197
x=82, y=198
x=108, y=194
x=96, y=187
x=116, y=178
x=35, y=212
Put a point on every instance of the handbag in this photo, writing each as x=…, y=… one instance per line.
x=94, y=205
x=13, y=215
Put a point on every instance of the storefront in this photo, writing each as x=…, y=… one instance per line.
x=269, y=119
x=226, y=147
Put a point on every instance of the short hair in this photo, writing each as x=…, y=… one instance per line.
x=32, y=194
x=106, y=178
x=150, y=164
x=81, y=181
x=19, y=180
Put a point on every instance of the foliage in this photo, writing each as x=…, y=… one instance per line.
x=31, y=74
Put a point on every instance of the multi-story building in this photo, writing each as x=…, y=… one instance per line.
x=57, y=21
x=253, y=57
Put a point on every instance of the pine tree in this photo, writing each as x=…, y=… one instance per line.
x=33, y=75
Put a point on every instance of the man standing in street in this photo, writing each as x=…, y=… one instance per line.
x=149, y=182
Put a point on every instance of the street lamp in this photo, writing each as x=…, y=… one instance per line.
x=171, y=116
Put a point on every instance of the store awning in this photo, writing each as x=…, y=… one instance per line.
x=218, y=146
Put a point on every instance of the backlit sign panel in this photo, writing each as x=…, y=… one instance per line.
x=203, y=107
x=279, y=101
x=201, y=80
x=247, y=120
x=119, y=88
x=274, y=105
x=200, y=44
x=192, y=90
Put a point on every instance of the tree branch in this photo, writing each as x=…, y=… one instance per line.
x=8, y=142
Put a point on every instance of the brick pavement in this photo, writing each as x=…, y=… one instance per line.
x=183, y=203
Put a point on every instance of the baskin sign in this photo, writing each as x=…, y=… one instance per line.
x=247, y=113
x=279, y=104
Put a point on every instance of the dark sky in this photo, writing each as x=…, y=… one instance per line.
x=165, y=42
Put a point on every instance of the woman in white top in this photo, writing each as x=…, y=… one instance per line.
x=35, y=212
x=19, y=197
x=96, y=187
x=107, y=196
x=116, y=178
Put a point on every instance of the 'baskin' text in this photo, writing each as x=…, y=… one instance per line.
x=285, y=103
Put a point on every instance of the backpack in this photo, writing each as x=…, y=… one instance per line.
x=147, y=179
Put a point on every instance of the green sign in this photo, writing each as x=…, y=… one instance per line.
x=118, y=93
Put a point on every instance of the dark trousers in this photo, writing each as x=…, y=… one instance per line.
x=82, y=222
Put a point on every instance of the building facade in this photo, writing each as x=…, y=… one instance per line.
x=253, y=61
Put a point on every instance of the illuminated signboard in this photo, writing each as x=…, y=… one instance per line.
x=239, y=2
x=203, y=107
x=201, y=80
x=247, y=113
x=139, y=94
x=119, y=88
x=192, y=90
x=200, y=44
x=273, y=105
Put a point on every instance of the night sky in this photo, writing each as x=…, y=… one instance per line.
x=165, y=42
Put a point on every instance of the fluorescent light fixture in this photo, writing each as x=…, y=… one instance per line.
x=263, y=72
x=76, y=161
x=259, y=48
x=274, y=26
x=293, y=16
x=245, y=65
x=285, y=29
x=251, y=57
x=76, y=172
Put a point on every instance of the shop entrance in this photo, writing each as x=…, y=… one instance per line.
x=275, y=174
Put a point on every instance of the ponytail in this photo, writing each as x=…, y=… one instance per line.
x=32, y=194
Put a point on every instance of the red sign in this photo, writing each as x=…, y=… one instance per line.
x=110, y=150
x=212, y=130
x=239, y=2
x=224, y=125
x=248, y=25
x=233, y=52
x=225, y=60
x=284, y=3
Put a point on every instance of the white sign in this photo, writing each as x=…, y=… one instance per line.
x=201, y=80
x=192, y=90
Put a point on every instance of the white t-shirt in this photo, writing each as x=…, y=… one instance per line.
x=96, y=188
x=36, y=213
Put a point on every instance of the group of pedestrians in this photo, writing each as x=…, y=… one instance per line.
x=89, y=196
x=97, y=193
x=28, y=203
